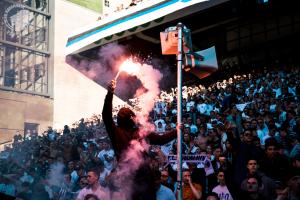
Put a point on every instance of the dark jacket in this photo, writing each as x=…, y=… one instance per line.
x=144, y=183
x=121, y=138
x=276, y=168
x=245, y=152
x=268, y=188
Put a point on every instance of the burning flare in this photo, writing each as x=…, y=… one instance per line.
x=130, y=67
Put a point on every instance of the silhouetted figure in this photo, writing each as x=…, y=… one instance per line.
x=122, y=134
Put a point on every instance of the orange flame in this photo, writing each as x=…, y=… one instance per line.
x=130, y=67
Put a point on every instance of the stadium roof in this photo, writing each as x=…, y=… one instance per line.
x=133, y=21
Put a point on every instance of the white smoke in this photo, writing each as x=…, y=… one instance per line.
x=149, y=77
x=131, y=160
x=56, y=176
x=105, y=67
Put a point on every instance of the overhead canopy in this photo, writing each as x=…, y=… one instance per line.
x=132, y=21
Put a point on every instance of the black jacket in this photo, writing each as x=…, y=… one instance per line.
x=143, y=187
x=121, y=138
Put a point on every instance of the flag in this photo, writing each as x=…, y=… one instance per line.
x=201, y=63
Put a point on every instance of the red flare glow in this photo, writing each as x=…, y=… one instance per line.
x=129, y=67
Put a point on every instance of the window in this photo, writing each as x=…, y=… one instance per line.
x=37, y=4
x=23, y=69
x=246, y=34
x=23, y=52
x=30, y=129
x=24, y=26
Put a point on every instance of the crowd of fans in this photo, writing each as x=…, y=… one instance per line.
x=247, y=128
x=124, y=6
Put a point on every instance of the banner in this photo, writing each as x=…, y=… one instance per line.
x=200, y=159
x=188, y=158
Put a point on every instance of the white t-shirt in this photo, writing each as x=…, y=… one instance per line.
x=261, y=135
x=282, y=117
x=292, y=90
x=166, y=148
x=209, y=108
x=74, y=177
x=241, y=106
x=101, y=193
x=223, y=192
x=273, y=108
x=159, y=120
x=8, y=189
x=223, y=141
x=160, y=106
x=189, y=105
x=102, y=177
x=278, y=92
x=174, y=111
x=26, y=178
x=202, y=108
x=164, y=193
x=193, y=128
x=161, y=129
x=110, y=153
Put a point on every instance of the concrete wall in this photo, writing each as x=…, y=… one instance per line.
x=75, y=96
x=17, y=108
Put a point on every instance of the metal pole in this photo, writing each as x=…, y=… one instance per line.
x=179, y=110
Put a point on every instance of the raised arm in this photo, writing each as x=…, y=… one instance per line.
x=196, y=190
x=156, y=139
x=107, y=110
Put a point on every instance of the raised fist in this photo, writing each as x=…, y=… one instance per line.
x=111, y=86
